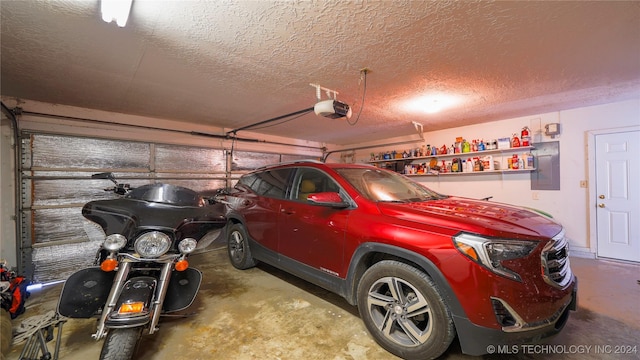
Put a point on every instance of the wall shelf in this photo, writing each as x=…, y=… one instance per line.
x=485, y=172
x=451, y=156
x=498, y=152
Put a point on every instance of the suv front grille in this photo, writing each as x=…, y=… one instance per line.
x=555, y=262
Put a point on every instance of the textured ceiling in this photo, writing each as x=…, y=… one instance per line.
x=235, y=63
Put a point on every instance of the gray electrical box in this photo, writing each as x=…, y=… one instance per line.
x=547, y=163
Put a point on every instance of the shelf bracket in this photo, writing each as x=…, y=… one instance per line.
x=419, y=129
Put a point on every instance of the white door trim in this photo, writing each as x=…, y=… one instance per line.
x=591, y=203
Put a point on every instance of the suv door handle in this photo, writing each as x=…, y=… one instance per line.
x=288, y=211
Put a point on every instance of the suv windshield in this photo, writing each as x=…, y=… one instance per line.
x=380, y=185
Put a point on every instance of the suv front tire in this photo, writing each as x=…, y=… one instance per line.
x=238, y=247
x=402, y=308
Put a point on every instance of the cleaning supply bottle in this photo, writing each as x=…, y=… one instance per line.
x=515, y=142
x=466, y=147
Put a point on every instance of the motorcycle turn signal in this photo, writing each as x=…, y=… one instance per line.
x=182, y=265
x=109, y=265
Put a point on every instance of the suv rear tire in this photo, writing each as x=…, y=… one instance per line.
x=238, y=247
x=403, y=310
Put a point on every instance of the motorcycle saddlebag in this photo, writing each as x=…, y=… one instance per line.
x=85, y=292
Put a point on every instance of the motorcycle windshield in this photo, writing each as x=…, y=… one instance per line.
x=166, y=194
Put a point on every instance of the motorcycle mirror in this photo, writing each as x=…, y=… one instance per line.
x=105, y=175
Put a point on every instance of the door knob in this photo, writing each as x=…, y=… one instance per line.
x=601, y=196
x=601, y=205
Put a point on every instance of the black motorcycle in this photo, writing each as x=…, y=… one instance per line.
x=141, y=270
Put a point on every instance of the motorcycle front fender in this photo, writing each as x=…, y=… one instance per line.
x=85, y=292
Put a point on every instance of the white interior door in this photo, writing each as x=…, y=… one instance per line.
x=618, y=192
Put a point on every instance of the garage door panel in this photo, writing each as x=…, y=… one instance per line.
x=63, y=152
x=179, y=158
x=65, y=192
x=243, y=160
x=58, y=225
x=57, y=262
x=197, y=184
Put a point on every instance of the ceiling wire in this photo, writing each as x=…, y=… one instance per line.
x=363, y=79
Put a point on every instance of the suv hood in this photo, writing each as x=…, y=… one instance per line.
x=476, y=216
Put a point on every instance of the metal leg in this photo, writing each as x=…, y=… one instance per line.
x=38, y=335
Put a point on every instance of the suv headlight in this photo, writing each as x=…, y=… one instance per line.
x=152, y=244
x=492, y=252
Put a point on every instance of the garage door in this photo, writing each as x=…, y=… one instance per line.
x=56, y=182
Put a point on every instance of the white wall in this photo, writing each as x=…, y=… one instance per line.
x=569, y=205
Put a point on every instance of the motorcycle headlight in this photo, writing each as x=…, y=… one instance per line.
x=114, y=242
x=152, y=244
x=492, y=252
x=186, y=246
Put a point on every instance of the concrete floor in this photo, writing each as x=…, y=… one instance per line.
x=263, y=313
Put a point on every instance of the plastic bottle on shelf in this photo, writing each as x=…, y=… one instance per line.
x=466, y=147
x=514, y=162
x=529, y=161
x=515, y=142
x=455, y=165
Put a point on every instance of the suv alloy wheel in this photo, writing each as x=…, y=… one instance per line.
x=402, y=308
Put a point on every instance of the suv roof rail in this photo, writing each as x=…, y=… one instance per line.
x=290, y=162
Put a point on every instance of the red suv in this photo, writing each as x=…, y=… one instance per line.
x=422, y=267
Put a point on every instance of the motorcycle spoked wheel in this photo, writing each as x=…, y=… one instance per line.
x=121, y=344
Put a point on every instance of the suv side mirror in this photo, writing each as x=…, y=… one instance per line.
x=331, y=199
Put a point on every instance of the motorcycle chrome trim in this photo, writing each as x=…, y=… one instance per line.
x=118, y=282
x=167, y=258
x=156, y=309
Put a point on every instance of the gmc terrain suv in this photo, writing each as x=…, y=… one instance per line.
x=421, y=267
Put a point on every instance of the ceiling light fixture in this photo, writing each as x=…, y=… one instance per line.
x=115, y=10
x=431, y=104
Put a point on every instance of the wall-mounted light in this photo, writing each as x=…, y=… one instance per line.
x=117, y=10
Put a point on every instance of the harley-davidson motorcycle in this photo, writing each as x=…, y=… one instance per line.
x=141, y=270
